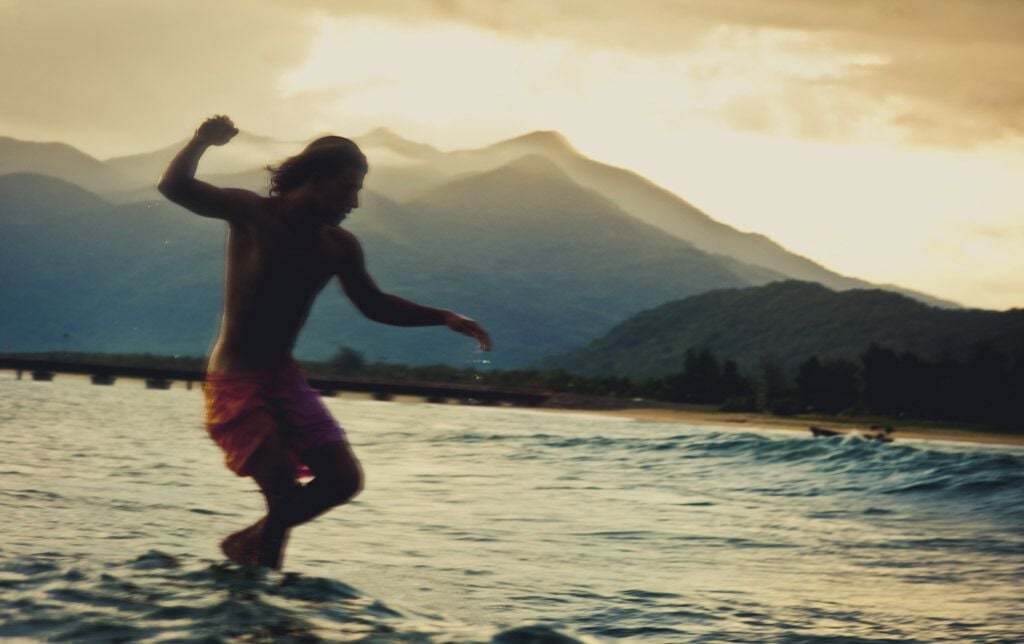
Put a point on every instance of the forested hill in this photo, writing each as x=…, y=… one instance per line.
x=789, y=322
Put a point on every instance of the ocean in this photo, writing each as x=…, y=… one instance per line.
x=494, y=524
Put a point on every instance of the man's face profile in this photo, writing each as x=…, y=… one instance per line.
x=339, y=195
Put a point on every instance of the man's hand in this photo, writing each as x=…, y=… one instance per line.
x=466, y=326
x=216, y=130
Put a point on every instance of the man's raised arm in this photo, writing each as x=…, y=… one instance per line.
x=179, y=183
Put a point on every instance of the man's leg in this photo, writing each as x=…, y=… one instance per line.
x=262, y=543
x=338, y=479
x=272, y=470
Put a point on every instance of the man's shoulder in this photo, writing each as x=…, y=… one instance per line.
x=343, y=247
x=340, y=239
x=261, y=203
x=255, y=209
x=234, y=205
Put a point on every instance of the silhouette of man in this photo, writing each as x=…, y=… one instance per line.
x=282, y=250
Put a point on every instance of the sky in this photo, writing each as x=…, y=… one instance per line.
x=883, y=139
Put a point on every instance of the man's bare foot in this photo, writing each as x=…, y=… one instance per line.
x=241, y=547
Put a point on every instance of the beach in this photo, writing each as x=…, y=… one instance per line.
x=711, y=416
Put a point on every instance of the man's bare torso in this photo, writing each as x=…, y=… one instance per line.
x=283, y=249
x=274, y=272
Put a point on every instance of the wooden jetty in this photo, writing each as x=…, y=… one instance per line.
x=159, y=378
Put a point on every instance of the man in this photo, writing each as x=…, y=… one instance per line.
x=282, y=250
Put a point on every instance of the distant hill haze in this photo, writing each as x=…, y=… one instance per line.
x=544, y=269
x=404, y=170
x=787, y=323
x=61, y=161
x=547, y=248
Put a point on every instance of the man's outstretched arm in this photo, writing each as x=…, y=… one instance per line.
x=179, y=183
x=391, y=309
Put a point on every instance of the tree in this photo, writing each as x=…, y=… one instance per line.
x=984, y=384
x=881, y=380
x=770, y=384
x=347, y=361
x=703, y=377
x=732, y=383
x=828, y=387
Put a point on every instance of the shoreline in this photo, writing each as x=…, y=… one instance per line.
x=696, y=415
x=654, y=412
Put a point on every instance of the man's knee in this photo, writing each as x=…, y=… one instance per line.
x=345, y=486
x=339, y=475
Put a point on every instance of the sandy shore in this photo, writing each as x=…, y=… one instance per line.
x=741, y=420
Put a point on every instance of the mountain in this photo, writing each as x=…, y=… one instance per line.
x=635, y=194
x=383, y=140
x=529, y=236
x=120, y=179
x=82, y=274
x=789, y=322
x=400, y=168
x=662, y=209
x=58, y=160
x=245, y=153
x=406, y=170
x=28, y=192
x=543, y=263
x=540, y=261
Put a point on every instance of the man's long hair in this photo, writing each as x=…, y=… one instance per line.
x=322, y=158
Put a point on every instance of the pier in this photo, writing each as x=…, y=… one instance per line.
x=327, y=385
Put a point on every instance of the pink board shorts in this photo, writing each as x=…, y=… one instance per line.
x=242, y=409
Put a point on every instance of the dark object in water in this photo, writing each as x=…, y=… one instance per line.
x=883, y=436
x=103, y=379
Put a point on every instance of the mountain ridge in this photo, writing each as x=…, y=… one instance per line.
x=22, y=190
x=543, y=263
x=635, y=194
x=788, y=322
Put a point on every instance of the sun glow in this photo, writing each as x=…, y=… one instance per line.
x=768, y=143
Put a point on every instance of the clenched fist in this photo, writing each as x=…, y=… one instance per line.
x=216, y=130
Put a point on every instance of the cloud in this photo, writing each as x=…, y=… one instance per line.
x=946, y=73
x=997, y=233
x=108, y=70
x=941, y=73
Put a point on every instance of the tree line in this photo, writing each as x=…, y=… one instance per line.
x=983, y=387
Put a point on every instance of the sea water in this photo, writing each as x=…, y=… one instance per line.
x=497, y=524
